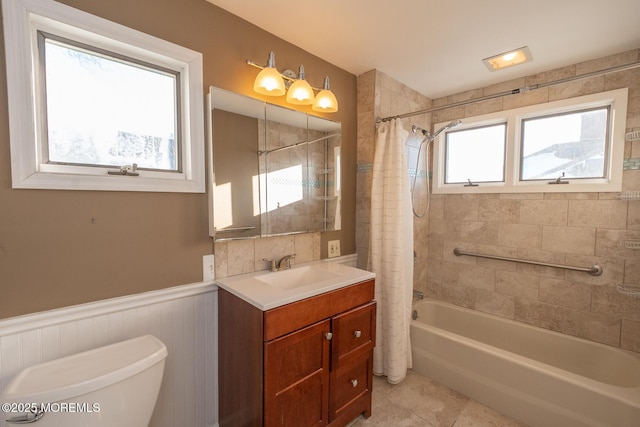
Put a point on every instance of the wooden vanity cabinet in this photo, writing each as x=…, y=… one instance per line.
x=308, y=363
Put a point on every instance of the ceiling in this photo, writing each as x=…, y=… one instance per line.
x=436, y=46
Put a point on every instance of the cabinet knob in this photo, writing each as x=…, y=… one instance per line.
x=354, y=383
x=328, y=336
x=357, y=334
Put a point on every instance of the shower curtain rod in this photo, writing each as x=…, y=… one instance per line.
x=513, y=92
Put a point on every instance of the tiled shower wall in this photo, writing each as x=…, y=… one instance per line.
x=380, y=96
x=572, y=228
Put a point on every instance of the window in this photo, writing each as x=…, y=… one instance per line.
x=572, y=144
x=475, y=155
x=104, y=109
x=578, y=141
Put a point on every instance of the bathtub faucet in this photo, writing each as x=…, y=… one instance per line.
x=418, y=294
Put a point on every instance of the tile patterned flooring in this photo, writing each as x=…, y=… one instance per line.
x=417, y=401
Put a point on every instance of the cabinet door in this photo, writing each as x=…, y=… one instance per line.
x=296, y=378
x=353, y=334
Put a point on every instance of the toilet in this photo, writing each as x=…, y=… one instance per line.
x=115, y=385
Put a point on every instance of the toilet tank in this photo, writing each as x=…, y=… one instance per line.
x=115, y=385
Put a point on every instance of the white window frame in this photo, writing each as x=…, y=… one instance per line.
x=22, y=21
x=612, y=182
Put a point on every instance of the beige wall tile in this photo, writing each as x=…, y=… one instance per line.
x=444, y=271
x=575, y=88
x=537, y=255
x=565, y=293
x=499, y=251
x=633, y=216
x=220, y=259
x=495, y=303
x=552, y=75
x=477, y=277
x=610, y=243
x=479, y=232
x=307, y=247
x=606, y=300
x=520, y=235
x=517, y=285
x=612, y=269
x=272, y=248
x=632, y=273
x=499, y=210
x=598, y=213
x=455, y=207
x=502, y=87
x=447, y=252
x=483, y=107
x=578, y=240
x=536, y=96
x=241, y=257
x=544, y=212
x=606, y=62
x=603, y=329
x=630, y=336
x=444, y=229
x=457, y=294
x=436, y=208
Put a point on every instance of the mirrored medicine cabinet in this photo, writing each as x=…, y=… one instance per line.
x=274, y=170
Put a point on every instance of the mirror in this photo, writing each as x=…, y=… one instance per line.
x=275, y=170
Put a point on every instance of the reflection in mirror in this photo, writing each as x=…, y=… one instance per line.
x=275, y=170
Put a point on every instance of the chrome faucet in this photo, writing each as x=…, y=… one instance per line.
x=287, y=262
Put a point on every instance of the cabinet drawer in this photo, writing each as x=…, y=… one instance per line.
x=288, y=318
x=353, y=334
x=350, y=384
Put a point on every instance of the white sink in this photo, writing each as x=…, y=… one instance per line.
x=267, y=290
x=296, y=277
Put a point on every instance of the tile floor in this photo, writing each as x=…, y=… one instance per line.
x=417, y=401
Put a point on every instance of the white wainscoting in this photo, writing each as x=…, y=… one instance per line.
x=183, y=317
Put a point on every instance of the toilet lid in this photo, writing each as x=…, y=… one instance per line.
x=81, y=373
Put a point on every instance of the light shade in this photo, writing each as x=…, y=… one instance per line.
x=325, y=101
x=269, y=81
x=300, y=92
x=508, y=59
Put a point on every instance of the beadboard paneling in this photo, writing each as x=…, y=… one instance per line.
x=184, y=318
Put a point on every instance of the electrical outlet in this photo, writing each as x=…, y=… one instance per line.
x=208, y=268
x=334, y=248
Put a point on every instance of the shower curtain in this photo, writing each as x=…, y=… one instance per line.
x=391, y=251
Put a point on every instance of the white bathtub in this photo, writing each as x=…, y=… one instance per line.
x=537, y=376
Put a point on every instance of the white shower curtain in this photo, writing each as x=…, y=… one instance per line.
x=391, y=251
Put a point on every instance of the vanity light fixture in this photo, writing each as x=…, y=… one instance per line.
x=325, y=100
x=508, y=59
x=300, y=92
x=270, y=81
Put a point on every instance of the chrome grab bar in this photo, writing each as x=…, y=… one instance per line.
x=595, y=270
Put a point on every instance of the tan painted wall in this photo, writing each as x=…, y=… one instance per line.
x=59, y=248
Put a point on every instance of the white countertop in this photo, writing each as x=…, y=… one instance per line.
x=253, y=290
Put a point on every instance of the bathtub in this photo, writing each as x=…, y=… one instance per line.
x=539, y=377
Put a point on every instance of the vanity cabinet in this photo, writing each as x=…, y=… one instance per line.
x=307, y=363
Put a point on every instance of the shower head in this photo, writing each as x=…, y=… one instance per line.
x=416, y=129
x=429, y=136
x=453, y=124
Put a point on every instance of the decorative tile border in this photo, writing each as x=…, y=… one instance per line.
x=631, y=164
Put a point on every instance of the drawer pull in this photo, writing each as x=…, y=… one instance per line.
x=354, y=383
x=357, y=334
x=328, y=336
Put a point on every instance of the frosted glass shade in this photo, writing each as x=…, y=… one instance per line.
x=300, y=93
x=325, y=102
x=269, y=82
